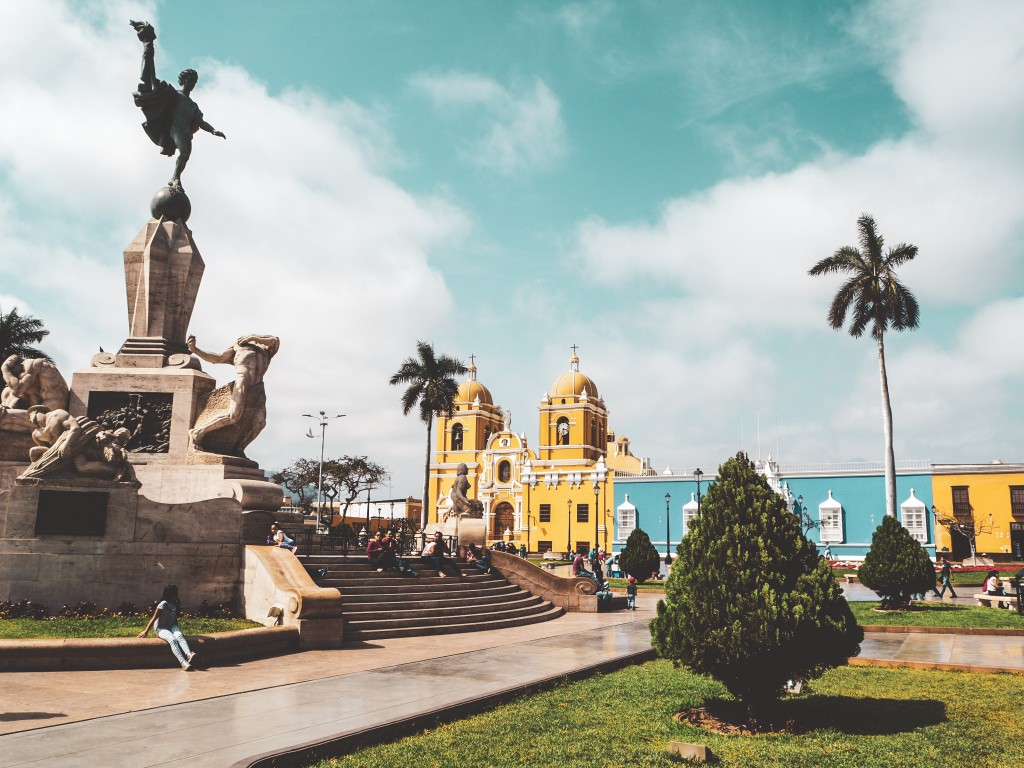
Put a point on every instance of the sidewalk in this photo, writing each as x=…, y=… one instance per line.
x=227, y=715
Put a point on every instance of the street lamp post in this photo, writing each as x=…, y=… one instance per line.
x=568, y=543
x=697, y=475
x=597, y=498
x=322, y=419
x=668, y=535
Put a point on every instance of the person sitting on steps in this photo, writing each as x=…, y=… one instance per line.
x=435, y=556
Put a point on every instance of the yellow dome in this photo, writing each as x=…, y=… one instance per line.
x=572, y=382
x=471, y=389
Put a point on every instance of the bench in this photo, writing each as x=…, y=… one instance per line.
x=986, y=600
x=851, y=578
x=552, y=555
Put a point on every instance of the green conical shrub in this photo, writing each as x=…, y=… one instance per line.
x=639, y=558
x=896, y=566
x=749, y=601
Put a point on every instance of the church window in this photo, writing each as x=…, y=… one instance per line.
x=562, y=431
x=457, y=437
x=545, y=513
x=582, y=513
x=504, y=471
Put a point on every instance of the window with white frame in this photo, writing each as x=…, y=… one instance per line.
x=914, y=522
x=627, y=521
x=689, y=515
x=830, y=519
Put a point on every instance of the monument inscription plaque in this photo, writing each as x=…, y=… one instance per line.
x=72, y=513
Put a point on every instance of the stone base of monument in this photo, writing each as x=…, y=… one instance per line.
x=9, y=471
x=67, y=541
x=465, y=530
x=158, y=405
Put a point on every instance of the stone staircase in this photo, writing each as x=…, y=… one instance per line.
x=388, y=604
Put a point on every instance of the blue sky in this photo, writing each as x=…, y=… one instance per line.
x=647, y=180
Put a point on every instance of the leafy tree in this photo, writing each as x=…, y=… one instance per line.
x=300, y=477
x=431, y=386
x=348, y=476
x=877, y=299
x=639, y=558
x=351, y=476
x=749, y=601
x=896, y=566
x=18, y=333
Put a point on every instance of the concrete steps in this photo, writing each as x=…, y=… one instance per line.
x=389, y=604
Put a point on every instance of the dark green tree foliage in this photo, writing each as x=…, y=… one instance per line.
x=896, y=566
x=749, y=601
x=18, y=334
x=639, y=558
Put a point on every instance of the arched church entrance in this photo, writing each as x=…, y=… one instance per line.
x=503, y=517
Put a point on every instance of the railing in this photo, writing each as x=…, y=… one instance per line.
x=313, y=542
x=798, y=469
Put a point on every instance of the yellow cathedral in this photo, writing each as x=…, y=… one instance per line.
x=556, y=496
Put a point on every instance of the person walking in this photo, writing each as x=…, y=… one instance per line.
x=165, y=617
x=631, y=594
x=946, y=579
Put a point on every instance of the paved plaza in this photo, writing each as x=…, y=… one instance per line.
x=230, y=714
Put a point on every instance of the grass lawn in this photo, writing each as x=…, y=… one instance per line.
x=647, y=586
x=23, y=629
x=938, y=615
x=852, y=717
x=960, y=578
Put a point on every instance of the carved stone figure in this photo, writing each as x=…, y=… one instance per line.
x=172, y=118
x=32, y=382
x=244, y=414
x=462, y=506
x=29, y=383
x=70, y=446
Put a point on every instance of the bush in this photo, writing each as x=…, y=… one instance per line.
x=896, y=566
x=639, y=558
x=23, y=609
x=207, y=611
x=83, y=610
x=749, y=601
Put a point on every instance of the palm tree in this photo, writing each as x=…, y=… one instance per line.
x=433, y=387
x=17, y=334
x=876, y=298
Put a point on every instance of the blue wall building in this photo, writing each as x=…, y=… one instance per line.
x=847, y=502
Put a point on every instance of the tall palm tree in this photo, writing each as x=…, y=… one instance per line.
x=877, y=299
x=18, y=333
x=433, y=387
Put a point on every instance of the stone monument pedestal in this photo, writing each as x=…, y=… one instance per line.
x=71, y=540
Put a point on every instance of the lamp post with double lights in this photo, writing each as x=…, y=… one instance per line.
x=668, y=535
x=322, y=420
x=697, y=475
x=597, y=498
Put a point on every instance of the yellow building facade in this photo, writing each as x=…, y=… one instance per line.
x=557, y=495
x=990, y=495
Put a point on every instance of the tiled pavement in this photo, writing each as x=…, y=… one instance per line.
x=228, y=714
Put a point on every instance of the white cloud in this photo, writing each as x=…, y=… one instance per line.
x=302, y=235
x=517, y=129
x=731, y=262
